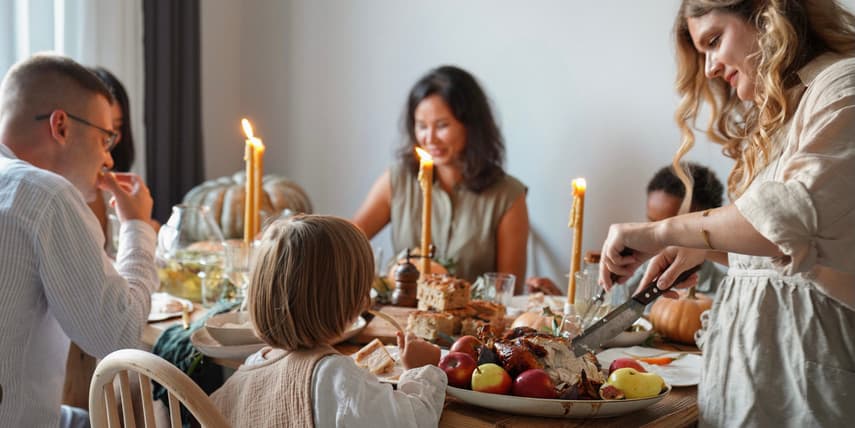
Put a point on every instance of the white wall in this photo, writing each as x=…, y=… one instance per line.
x=580, y=89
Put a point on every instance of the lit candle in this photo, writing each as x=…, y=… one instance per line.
x=254, y=157
x=258, y=163
x=426, y=182
x=576, y=216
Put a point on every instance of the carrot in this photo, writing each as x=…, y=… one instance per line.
x=658, y=361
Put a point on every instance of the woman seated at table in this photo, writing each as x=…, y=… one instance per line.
x=310, y=281
x=479, y=214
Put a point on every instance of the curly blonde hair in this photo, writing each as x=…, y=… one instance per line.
x=790, y=34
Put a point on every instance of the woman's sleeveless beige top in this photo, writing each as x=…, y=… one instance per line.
x=464, y=224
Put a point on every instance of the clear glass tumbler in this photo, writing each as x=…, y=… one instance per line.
x=499, y=287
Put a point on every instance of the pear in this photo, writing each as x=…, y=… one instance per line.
x=635, y=384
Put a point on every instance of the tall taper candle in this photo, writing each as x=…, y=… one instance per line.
x=426, y=182
x=258, y=197
x=576, y=218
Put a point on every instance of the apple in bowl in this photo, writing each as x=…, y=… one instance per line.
x=623, y=362
x=468, y=345
x=534, y=383
x=458, y=367
x=491, y=378
x=635, y=384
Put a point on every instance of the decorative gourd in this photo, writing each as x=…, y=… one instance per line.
x=679, y=319
x=535, y=320
x=225, y=197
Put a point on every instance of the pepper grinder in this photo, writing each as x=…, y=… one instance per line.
x=406, y=284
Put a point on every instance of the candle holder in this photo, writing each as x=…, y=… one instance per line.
x=406, y=284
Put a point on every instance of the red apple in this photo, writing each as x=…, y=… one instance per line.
x=534, y=383
x=458, y=367
x=491, y=378
x=468, y=345
x=620, y=363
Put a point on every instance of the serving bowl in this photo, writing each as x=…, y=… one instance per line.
x=232, y=329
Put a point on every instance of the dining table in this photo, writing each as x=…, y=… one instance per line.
x=678, y=409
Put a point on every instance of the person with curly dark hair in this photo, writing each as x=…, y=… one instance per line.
x=479, y=214
x=665, y=191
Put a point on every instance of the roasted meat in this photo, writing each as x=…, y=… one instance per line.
x=518, y=355
x=524, y=348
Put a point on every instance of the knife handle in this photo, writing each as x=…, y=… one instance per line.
x=650, y=292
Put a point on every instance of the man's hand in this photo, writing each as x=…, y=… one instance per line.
x=131, y=196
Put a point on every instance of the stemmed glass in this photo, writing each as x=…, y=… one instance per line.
x=238, y=258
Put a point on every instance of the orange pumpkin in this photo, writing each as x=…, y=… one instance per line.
x=679, y=319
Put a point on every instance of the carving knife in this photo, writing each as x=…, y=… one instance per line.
x=621, y=318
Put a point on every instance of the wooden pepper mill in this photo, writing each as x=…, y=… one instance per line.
x=406, y=284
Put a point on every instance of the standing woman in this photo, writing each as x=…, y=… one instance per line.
x=779, y=81
x=479, y=215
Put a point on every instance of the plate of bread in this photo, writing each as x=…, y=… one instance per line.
x=382, y=361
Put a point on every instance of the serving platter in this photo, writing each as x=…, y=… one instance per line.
x=554, y=408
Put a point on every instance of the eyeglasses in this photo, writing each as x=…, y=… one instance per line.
x=112, y=136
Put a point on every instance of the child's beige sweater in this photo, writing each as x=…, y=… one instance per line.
x=276, y=393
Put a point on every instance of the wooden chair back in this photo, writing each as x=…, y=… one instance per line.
x=103, y=408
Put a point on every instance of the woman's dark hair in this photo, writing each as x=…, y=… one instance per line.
x=706, y=192
x=484, y=152
x=123, y=153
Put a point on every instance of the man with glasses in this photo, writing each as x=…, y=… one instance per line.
x=56, y=282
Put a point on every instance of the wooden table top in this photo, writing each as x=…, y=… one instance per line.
x=678, y=409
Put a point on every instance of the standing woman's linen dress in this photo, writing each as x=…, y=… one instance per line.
x=780, y=347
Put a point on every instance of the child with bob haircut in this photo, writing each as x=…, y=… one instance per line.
x=311, y=279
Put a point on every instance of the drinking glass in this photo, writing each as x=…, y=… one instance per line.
x=499, y=287
x=113, y=227
x=378, y=260
x=238, y=258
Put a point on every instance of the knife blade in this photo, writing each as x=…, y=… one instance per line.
x=621, y=318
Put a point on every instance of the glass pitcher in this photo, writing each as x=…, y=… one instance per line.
x=189, y=250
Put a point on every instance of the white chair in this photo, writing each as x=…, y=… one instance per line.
x=103, y=408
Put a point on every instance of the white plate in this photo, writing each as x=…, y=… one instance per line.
x=354, y=329
x=684, y=371
x=392, y=375
x=554, y=408
x=632, y=338
x=159, y=302
x=210, y=347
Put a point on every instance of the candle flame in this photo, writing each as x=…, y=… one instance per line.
x=423, y=154
x=579, y=186
x=247, y=128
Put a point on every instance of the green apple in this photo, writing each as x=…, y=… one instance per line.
x=635, y=384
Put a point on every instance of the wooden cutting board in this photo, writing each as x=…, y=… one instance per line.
x=380, y=329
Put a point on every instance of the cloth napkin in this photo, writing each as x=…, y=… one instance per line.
x=174, y=346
